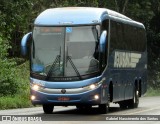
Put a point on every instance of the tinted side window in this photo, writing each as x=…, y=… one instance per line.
x=127, y=37
x=113, y=36
x=142, y=39
x=133, y=38
x=117, y=36
x=136, y=39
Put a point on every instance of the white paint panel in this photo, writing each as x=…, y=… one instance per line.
x=126, y=59
x=134, y=60
x=136, y=55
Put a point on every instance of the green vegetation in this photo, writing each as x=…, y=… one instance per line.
x=16, y=101
x=153, y=92
x=8, y=85
x=17, y=17
x=21, y=97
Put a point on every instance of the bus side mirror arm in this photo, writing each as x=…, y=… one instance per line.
x=103, y=41
x=24, y=41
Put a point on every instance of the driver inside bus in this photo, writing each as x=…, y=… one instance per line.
x=93, y=64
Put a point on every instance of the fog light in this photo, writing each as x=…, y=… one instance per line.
x=33, y=97
x=96, y=97
x=35, y=87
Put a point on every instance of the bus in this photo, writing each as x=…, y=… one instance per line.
x=84, y=57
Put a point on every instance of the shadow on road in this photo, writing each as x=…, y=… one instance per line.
x=79, y=115
x=92, y=111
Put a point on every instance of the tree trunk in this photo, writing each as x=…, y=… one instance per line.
x=124, y=6
x=121, y=6
x=116, y=5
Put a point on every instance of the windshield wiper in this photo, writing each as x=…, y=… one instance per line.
x=53, y=65
x=74, y=67
x=58, y=58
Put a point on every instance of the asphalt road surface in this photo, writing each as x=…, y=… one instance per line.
x=149, y=106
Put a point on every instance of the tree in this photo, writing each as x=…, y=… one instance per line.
x=8, y=85
x=121, y=5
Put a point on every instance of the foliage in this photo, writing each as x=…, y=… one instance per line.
x=21, y=98
x=153, y=92
x=8, y=85
x=14, y=21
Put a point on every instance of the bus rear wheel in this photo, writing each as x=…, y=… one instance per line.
x=133, y=103
x=123, y=104
x=48, y=108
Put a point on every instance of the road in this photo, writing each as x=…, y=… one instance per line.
x=70, y=115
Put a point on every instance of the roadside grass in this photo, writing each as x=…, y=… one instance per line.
x=17, y=101
x=153, y=92
x=22, y=98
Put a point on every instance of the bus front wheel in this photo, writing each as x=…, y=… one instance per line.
x=103, y=108
x=48, y=108
x=81, y=107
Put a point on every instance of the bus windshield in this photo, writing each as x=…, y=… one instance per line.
x=65, y=51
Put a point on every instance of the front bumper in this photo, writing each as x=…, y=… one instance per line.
x=60, y=99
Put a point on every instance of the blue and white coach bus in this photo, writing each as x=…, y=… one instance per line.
x=84, y=57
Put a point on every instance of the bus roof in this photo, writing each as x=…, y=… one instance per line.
x=80, y=16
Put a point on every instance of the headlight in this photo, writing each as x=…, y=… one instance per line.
x=36, y=86
x=93, y=86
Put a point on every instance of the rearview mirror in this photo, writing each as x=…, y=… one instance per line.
x=24, y=41
x=103, y=41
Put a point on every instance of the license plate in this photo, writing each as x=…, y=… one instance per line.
x=63, y=98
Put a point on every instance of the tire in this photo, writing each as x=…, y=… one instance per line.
x=123, y=105
x=133, y=103
x=103, y=108
x=81, y=107
x=48, y=108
